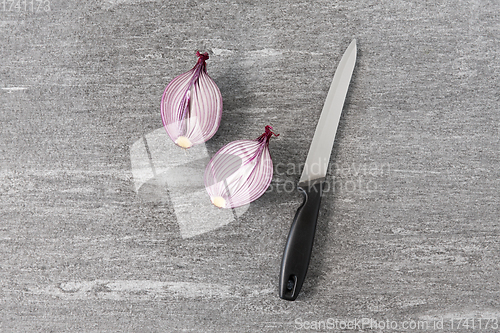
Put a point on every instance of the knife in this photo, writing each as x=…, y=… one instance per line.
x=300, y=240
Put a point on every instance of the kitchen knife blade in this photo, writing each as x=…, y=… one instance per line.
x=300, y=240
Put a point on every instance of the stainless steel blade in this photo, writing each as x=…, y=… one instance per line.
x=322, y=143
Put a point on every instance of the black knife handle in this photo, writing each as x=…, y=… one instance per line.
x=300, y=240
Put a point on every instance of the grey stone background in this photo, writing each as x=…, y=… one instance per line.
x=411, y=231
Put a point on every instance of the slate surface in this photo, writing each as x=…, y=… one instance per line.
x=410, y=234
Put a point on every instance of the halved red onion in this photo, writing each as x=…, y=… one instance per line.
x=240, y=172
x=191, y=106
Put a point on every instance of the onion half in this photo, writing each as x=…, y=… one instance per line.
x=240, y=172
x=191, y=106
